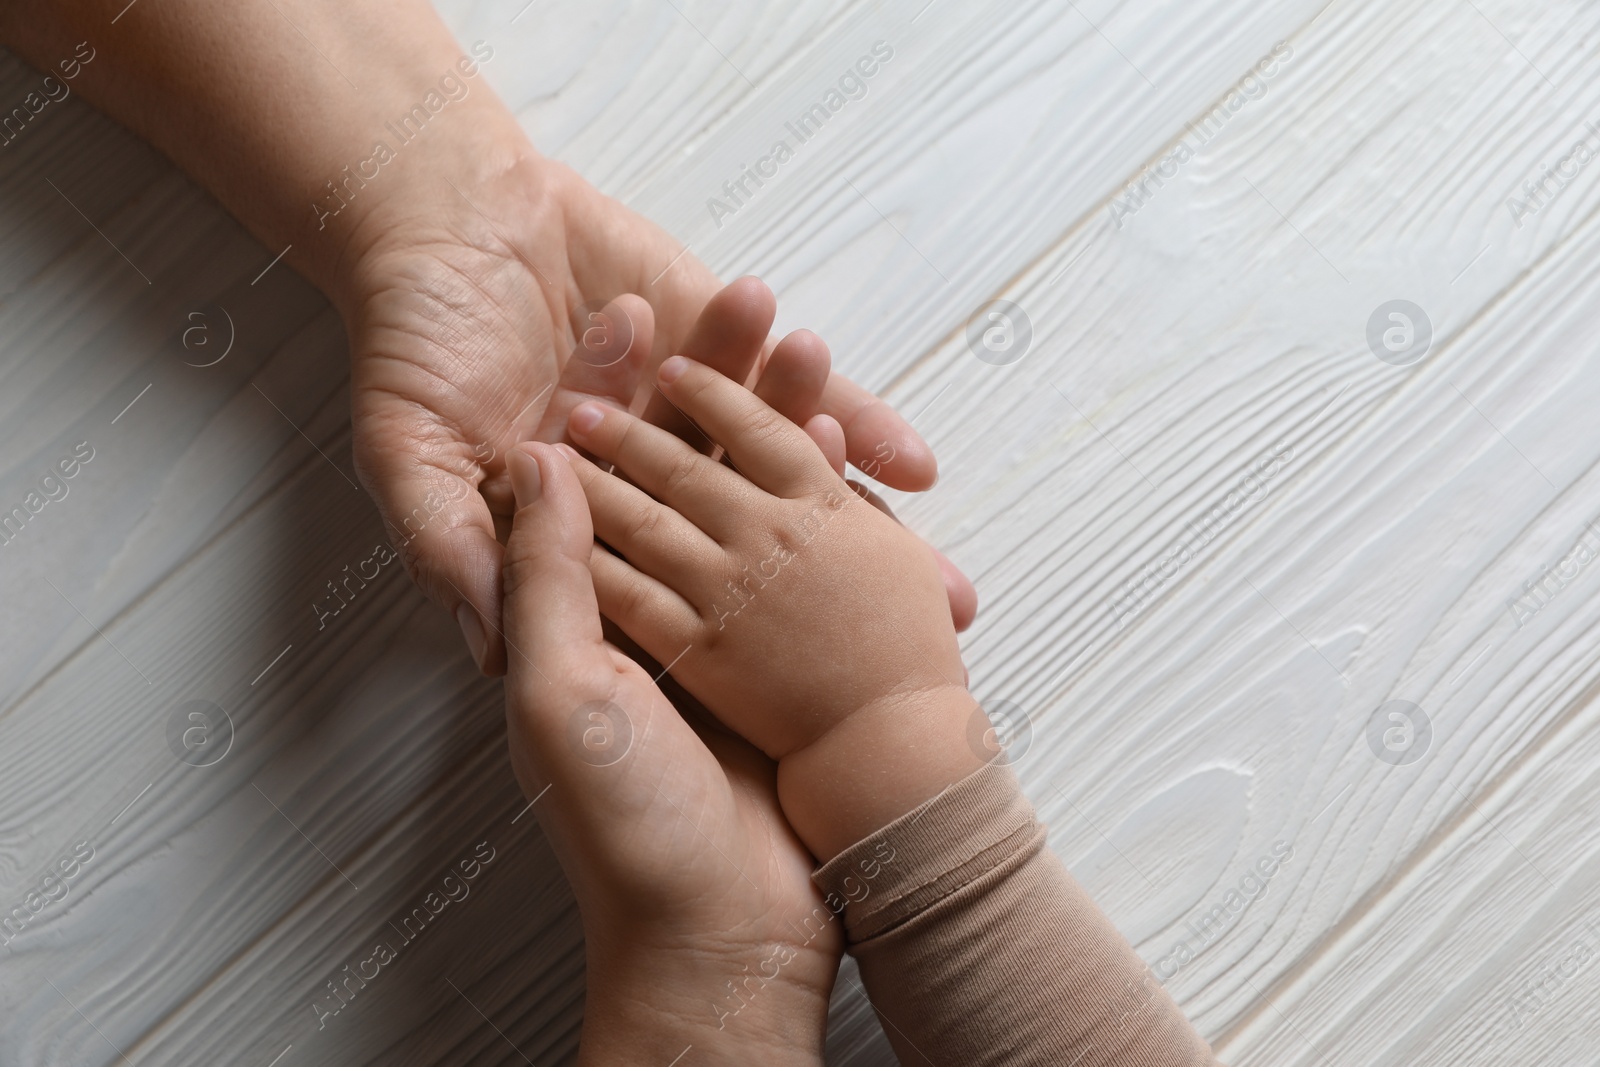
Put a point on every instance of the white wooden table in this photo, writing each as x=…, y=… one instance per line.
x=1201, y=654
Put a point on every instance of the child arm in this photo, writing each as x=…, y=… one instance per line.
x=816, y=627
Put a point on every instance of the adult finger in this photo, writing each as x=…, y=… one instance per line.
x=794, y=376
x=963, y=595
x=437, y=521
x=829, y=437
x=607, y=362
x=611, y=348
x=877, y=439
x=557, y=656
x=729, y=337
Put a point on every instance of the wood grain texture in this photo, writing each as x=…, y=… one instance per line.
x=1437, y=912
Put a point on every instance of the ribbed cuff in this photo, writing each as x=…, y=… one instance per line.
x=927, y=854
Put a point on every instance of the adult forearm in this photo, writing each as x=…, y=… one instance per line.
x=279, y=107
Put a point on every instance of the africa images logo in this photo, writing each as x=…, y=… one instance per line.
x=852, y=85
x=1205, y=129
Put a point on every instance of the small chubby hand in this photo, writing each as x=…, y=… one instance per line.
x=804, y=618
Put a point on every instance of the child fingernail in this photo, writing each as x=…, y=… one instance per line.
x=585, y=417
x=526, y=482
x=673, y=368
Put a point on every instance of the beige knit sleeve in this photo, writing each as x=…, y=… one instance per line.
x=978, y=947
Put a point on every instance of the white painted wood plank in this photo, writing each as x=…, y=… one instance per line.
x=1390, y=544
x=1481, y=952
x=1190, y=739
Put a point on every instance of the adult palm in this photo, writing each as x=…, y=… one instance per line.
x=465, y=303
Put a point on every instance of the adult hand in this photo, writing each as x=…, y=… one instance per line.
x=471, y=321
x=701, y=924
x=463, y=262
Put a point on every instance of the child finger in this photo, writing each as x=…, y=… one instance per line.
x=764, y=446
x=698, y=488
x=649, y=534
x=659, y=621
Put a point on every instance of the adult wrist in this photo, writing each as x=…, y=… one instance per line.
x=877, y=765
x=649, y=1004
x=412, y=184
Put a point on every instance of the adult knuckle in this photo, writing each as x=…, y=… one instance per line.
x=420, y=573
x=518, y=574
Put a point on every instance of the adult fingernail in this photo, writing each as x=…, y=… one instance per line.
x=585, y=417
x=525, y=480
x=568, y=451
x=673, y=368
x=472, y=630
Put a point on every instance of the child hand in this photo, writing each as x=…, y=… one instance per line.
x=805, y=619
x=701, y=924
